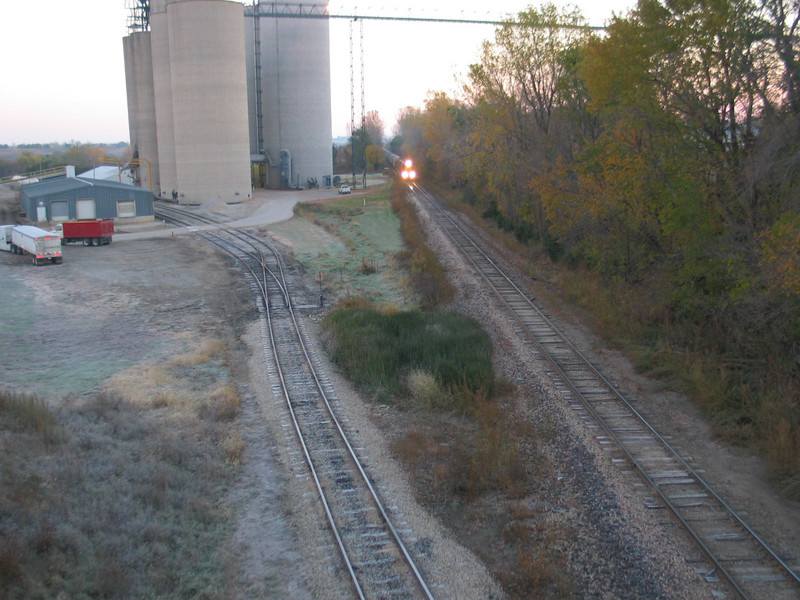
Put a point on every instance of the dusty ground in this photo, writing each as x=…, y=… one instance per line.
x=107, y=309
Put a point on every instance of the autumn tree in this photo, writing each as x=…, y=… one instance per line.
x=516, y=92
x=374, y=157
x=662, y=157
x=373, y=124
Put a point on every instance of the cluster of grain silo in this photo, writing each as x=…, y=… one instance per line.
x=221, y=99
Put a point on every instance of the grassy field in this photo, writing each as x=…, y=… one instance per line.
x=352, y=242
x=118, y=425
x=110, y=500
x=45, y=333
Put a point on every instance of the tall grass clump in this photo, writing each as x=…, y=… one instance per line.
x=427, y=273
x=28, y=413
x=430, y=356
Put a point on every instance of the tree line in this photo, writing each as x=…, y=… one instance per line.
x=41, y=157
x=659, y=158
x=365, y=148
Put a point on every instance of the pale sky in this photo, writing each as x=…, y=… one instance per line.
x=63, y=75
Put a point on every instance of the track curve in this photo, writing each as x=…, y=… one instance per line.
x=373, y=553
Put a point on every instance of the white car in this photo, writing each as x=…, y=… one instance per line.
x=345, y=189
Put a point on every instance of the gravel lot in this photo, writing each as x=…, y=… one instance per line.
x=108, y=308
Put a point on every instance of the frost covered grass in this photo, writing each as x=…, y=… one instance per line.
x=352, y=243
x=128, y=500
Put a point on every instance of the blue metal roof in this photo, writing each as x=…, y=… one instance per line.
x=67, y=184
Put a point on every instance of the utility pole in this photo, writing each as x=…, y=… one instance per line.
x=363, y=111
x=352, y=107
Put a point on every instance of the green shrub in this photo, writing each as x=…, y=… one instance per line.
x=382, y=350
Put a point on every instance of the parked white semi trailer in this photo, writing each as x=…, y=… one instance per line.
x=43, y=246
x=5, y=237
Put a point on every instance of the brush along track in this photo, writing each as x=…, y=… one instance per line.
x=741, y=563
x=373, y=554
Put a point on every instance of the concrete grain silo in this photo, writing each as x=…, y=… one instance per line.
x=141, y=107
x=197, y=53
x=162, y=84
x=209, y=99
x=289, y=71
x=214, y=88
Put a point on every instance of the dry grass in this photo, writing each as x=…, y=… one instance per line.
x=225, y=402
x=427, y=273
x=206, y=351
x=470, y=471
x=232, y=446
x=28, y=413
x=128, y=502
x=426, y=393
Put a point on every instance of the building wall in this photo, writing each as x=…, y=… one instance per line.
x=105, y=196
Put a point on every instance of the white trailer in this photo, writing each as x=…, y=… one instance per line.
x=43, y=246
x=5, y=237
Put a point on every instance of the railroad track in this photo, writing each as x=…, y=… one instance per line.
x=739, y=562
x=372, y=551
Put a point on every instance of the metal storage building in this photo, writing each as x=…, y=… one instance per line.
x=68, y=198
x=109, y=173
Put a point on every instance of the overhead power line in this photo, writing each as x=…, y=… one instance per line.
x=320, y=11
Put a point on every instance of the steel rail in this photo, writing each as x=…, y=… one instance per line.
x=280, y=281
x=287, y=397
x=440, y=214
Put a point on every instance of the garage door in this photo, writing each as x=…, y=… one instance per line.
x=59, y=210
x=85, y=209
x=126, y=208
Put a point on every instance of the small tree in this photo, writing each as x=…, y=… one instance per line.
x=373, y=124
x=374, y=157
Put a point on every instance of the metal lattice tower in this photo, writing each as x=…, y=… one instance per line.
x=352, y=105
x=363, y=108
x=138, y=15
